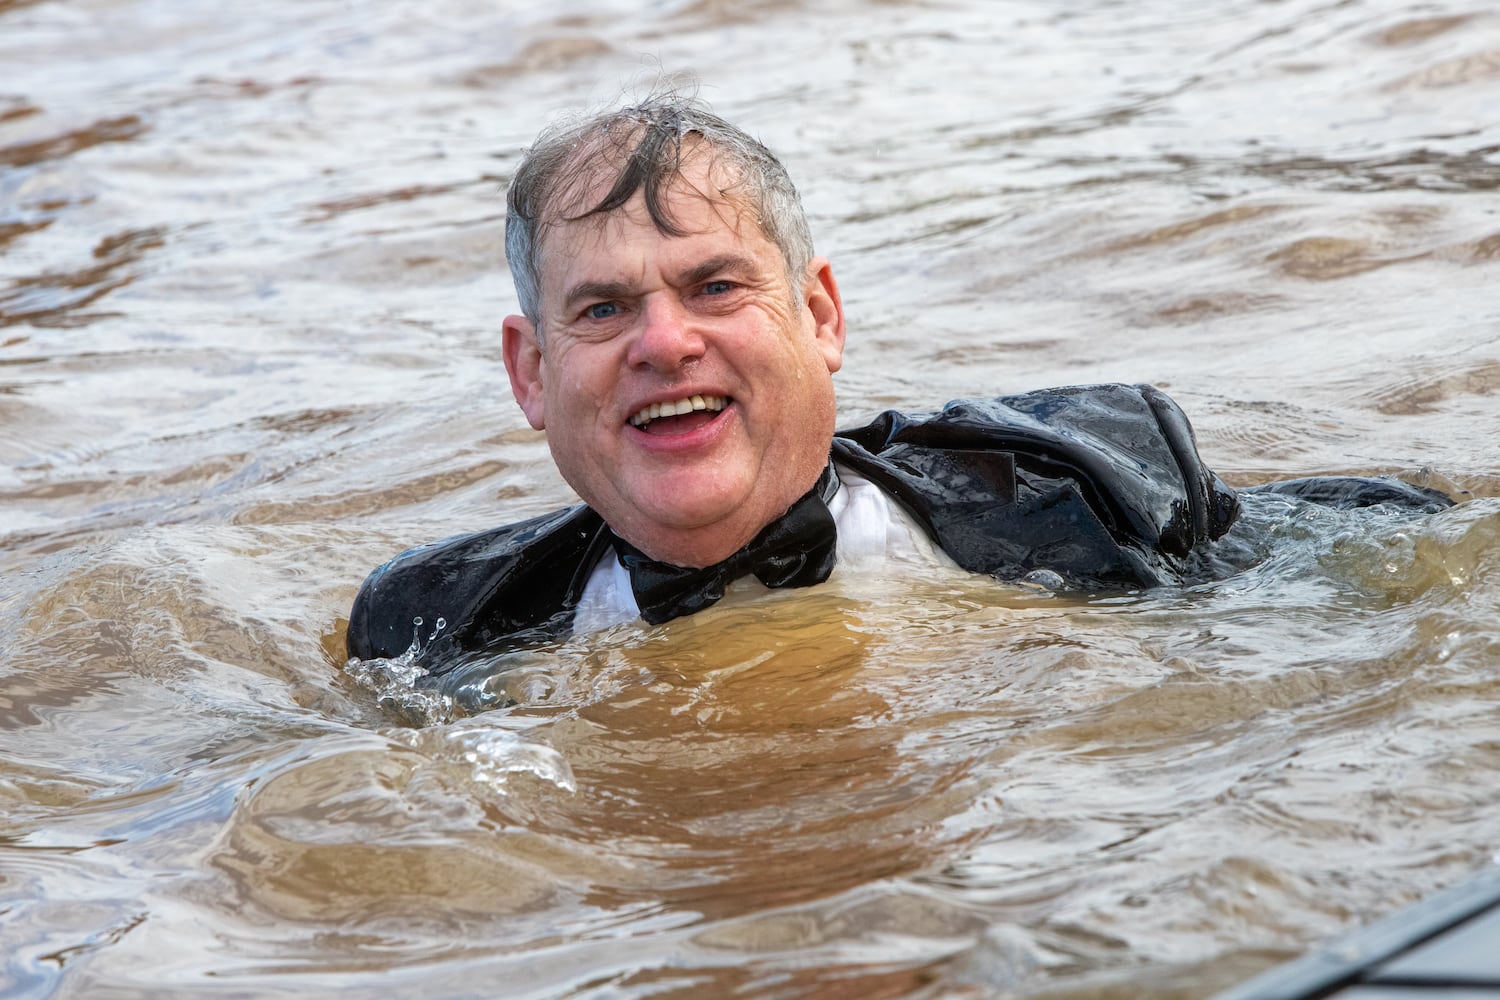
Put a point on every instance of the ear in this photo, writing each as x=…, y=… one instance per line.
x=821, y=294
x=523, y=362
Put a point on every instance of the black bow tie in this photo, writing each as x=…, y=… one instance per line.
x=795, y=550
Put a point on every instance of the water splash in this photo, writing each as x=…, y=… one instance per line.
x=397, y=685
x=418, y=644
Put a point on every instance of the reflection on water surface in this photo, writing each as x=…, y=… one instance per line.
x=249, y=293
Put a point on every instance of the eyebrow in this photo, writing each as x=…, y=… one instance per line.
x=595, y=290
x=731, y=263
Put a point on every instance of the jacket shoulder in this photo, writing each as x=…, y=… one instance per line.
x=1101, y=484
x=472, y=588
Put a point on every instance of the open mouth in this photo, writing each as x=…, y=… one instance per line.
x=678, y=416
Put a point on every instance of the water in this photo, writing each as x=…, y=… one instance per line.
x=249, y=305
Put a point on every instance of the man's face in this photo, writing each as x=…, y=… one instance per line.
x=634, y=321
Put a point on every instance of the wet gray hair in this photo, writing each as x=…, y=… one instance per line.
x=642, y=147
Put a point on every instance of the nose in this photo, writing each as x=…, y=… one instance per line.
x=668, y=338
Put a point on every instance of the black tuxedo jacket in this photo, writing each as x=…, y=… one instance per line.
x=1100, y=485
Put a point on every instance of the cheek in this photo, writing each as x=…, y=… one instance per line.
x=569, y=378
x=579, y=399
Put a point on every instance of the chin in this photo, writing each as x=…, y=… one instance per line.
x=701, y=497
x=699, y=534
x=676, y=519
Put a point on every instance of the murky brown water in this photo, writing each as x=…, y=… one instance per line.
x=249, y=306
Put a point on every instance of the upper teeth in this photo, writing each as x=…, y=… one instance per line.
x=672, y=409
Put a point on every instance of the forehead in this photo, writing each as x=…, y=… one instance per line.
x=703, y=201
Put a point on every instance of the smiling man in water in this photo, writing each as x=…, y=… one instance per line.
x=677, y=342
x=679, y=360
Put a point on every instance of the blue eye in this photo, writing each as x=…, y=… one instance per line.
x=717, y=287
x=601, y=310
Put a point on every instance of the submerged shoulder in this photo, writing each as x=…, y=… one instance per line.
x=1354, y=492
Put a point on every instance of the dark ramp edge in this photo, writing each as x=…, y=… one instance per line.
x=1446, y=946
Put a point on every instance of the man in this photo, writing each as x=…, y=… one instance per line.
x=677, y=343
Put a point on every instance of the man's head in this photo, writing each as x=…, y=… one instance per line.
x=639, y=149
x=662, y=259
